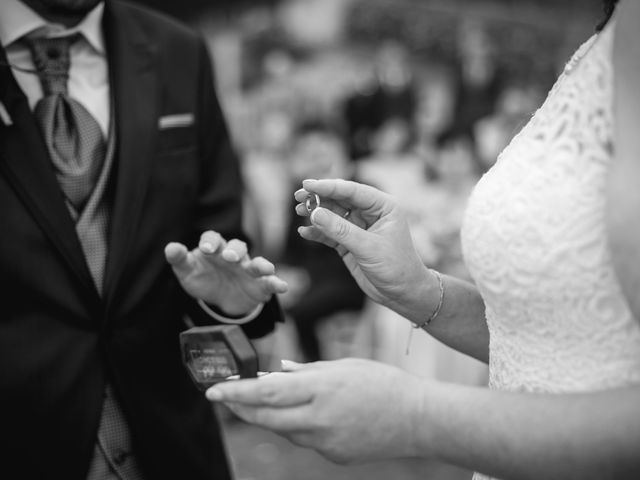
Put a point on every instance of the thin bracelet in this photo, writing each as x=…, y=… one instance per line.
x=238, y=321
x=432, y=317
x=436, y=312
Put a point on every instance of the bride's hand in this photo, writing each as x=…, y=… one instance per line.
x=349, y=410
x=369, y=232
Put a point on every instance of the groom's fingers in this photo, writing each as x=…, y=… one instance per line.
x=235, y=251
x=210, y=242
x=178, y=257
x=270, y=285
x=260, y=266
x=275, y=284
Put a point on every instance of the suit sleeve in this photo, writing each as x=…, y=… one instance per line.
x=220, y=192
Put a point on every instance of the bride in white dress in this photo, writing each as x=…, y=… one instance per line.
x=552, y=239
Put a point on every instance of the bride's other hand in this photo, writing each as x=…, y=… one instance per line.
x=349, y=410
x=368, y=230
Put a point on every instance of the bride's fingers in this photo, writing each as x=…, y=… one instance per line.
x=315, y=235
x=301, y=195
x=361, y=196
x=342, y=251
x=335, y=232
x=309, y=199
x=354, y=217
x=303, y=208
x=342, y=231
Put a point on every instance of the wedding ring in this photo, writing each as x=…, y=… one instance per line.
x=312, y=202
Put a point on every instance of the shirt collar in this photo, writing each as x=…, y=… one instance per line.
x=17, y=20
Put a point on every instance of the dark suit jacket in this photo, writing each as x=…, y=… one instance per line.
x=59, y=340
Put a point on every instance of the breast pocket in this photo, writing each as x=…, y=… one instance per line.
x=176, y=139
x=175, y=167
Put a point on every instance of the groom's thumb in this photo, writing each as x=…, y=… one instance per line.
x=178, y=257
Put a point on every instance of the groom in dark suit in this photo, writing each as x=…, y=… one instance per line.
x=114, y=156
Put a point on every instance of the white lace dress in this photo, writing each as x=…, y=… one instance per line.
x=535, y=243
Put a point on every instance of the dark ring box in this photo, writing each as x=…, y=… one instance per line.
x=211, y=354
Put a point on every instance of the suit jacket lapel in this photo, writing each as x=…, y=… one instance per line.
x=25, y=162
x=134, y=96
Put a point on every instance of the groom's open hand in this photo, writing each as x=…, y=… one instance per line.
x=222, y=273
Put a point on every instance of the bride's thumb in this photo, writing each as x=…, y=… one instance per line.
x=291, y=366
x=338, y=229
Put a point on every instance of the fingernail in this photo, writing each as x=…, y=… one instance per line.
x=288, y=364
x=206, y=247
x=319, y=216
x=214, y=395
x=232, y=255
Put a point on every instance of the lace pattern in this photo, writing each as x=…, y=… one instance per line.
x=535, y=243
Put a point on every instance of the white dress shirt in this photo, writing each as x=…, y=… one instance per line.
x=89, y=71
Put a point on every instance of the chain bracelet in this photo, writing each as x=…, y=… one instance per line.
x=436, y=312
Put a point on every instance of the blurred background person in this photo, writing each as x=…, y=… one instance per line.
x=324, y=293
x=513, y=107
x=267, y=178
x=381, y=110
x=477, y=85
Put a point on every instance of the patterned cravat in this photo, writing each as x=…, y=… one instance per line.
x=73, y=137
x=82, y=161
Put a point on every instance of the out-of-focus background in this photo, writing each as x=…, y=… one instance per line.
x=416, y=97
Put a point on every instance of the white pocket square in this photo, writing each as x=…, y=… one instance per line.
x=4, y=115
x=176, y=120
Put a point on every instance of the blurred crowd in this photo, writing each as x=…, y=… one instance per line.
x=415, y=98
